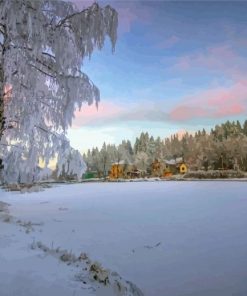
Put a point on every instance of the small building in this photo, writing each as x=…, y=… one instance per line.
x=183, y=168
x=135, y=173
x=90, y=175
x=175, y=166
x=118, y=170
x=170, y=168
x=125, y=170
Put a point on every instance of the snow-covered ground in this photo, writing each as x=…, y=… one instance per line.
x=168, y=238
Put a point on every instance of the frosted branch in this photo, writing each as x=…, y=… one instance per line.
x=45, y=42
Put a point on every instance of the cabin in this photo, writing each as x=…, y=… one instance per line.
x=183, y=168
x=118, y=170
x=135, y=173
x=125, y=170
x=175, y=166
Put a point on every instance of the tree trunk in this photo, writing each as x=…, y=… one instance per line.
x=2, y=51
x=1, y=98
x=2, y=121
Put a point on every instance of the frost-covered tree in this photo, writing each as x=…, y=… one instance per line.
x=42, y=47
x=125, y=152
x=142, y=161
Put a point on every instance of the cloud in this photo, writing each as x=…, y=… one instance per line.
x=222, y=59
x=214, y=103
x=169, y=42
x=111, y=113
x=89, y=115
x=226, y=62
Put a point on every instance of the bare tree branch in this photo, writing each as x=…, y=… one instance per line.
x=63, y=21
x=41, y=71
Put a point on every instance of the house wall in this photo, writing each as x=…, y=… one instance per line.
x=183, y=169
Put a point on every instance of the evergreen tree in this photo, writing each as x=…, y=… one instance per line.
x=245, y=128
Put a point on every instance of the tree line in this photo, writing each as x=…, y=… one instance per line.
x=224, y=147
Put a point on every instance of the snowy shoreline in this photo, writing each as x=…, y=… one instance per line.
x=36, y=187
x=159, y=180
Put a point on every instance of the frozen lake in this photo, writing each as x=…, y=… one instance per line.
x=169, y=238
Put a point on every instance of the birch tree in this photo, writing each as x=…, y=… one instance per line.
x=42, y=47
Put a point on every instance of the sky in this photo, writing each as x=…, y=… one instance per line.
x=178, y=66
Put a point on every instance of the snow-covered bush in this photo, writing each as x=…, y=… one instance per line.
x=217, y=174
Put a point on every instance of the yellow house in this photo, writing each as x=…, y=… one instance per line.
x=175, y=166
x=183, y=168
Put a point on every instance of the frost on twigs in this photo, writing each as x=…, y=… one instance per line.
x=91, y=274
x=42, y=47
x=4, y=212
x=99, y=274
x=3, y=207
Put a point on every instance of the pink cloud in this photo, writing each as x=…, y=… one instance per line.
x=213, y=57
x=222, y=59
x=217, y=102
x=90, y=114
x=184, y=113
x=234, y=109
x=214, y=103
x=110, y=113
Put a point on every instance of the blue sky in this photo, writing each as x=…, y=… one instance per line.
x=177, y=66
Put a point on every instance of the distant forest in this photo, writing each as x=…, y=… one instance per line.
x=225, y=147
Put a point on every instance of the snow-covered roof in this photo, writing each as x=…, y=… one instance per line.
x=170, y=162
x=178, y=160
x=124, y=162
x=121, y=162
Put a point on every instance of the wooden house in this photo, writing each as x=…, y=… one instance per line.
x=135, y=173
x=117, y=170
x=125, y=170
x=175, y=166
x=183, y=168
